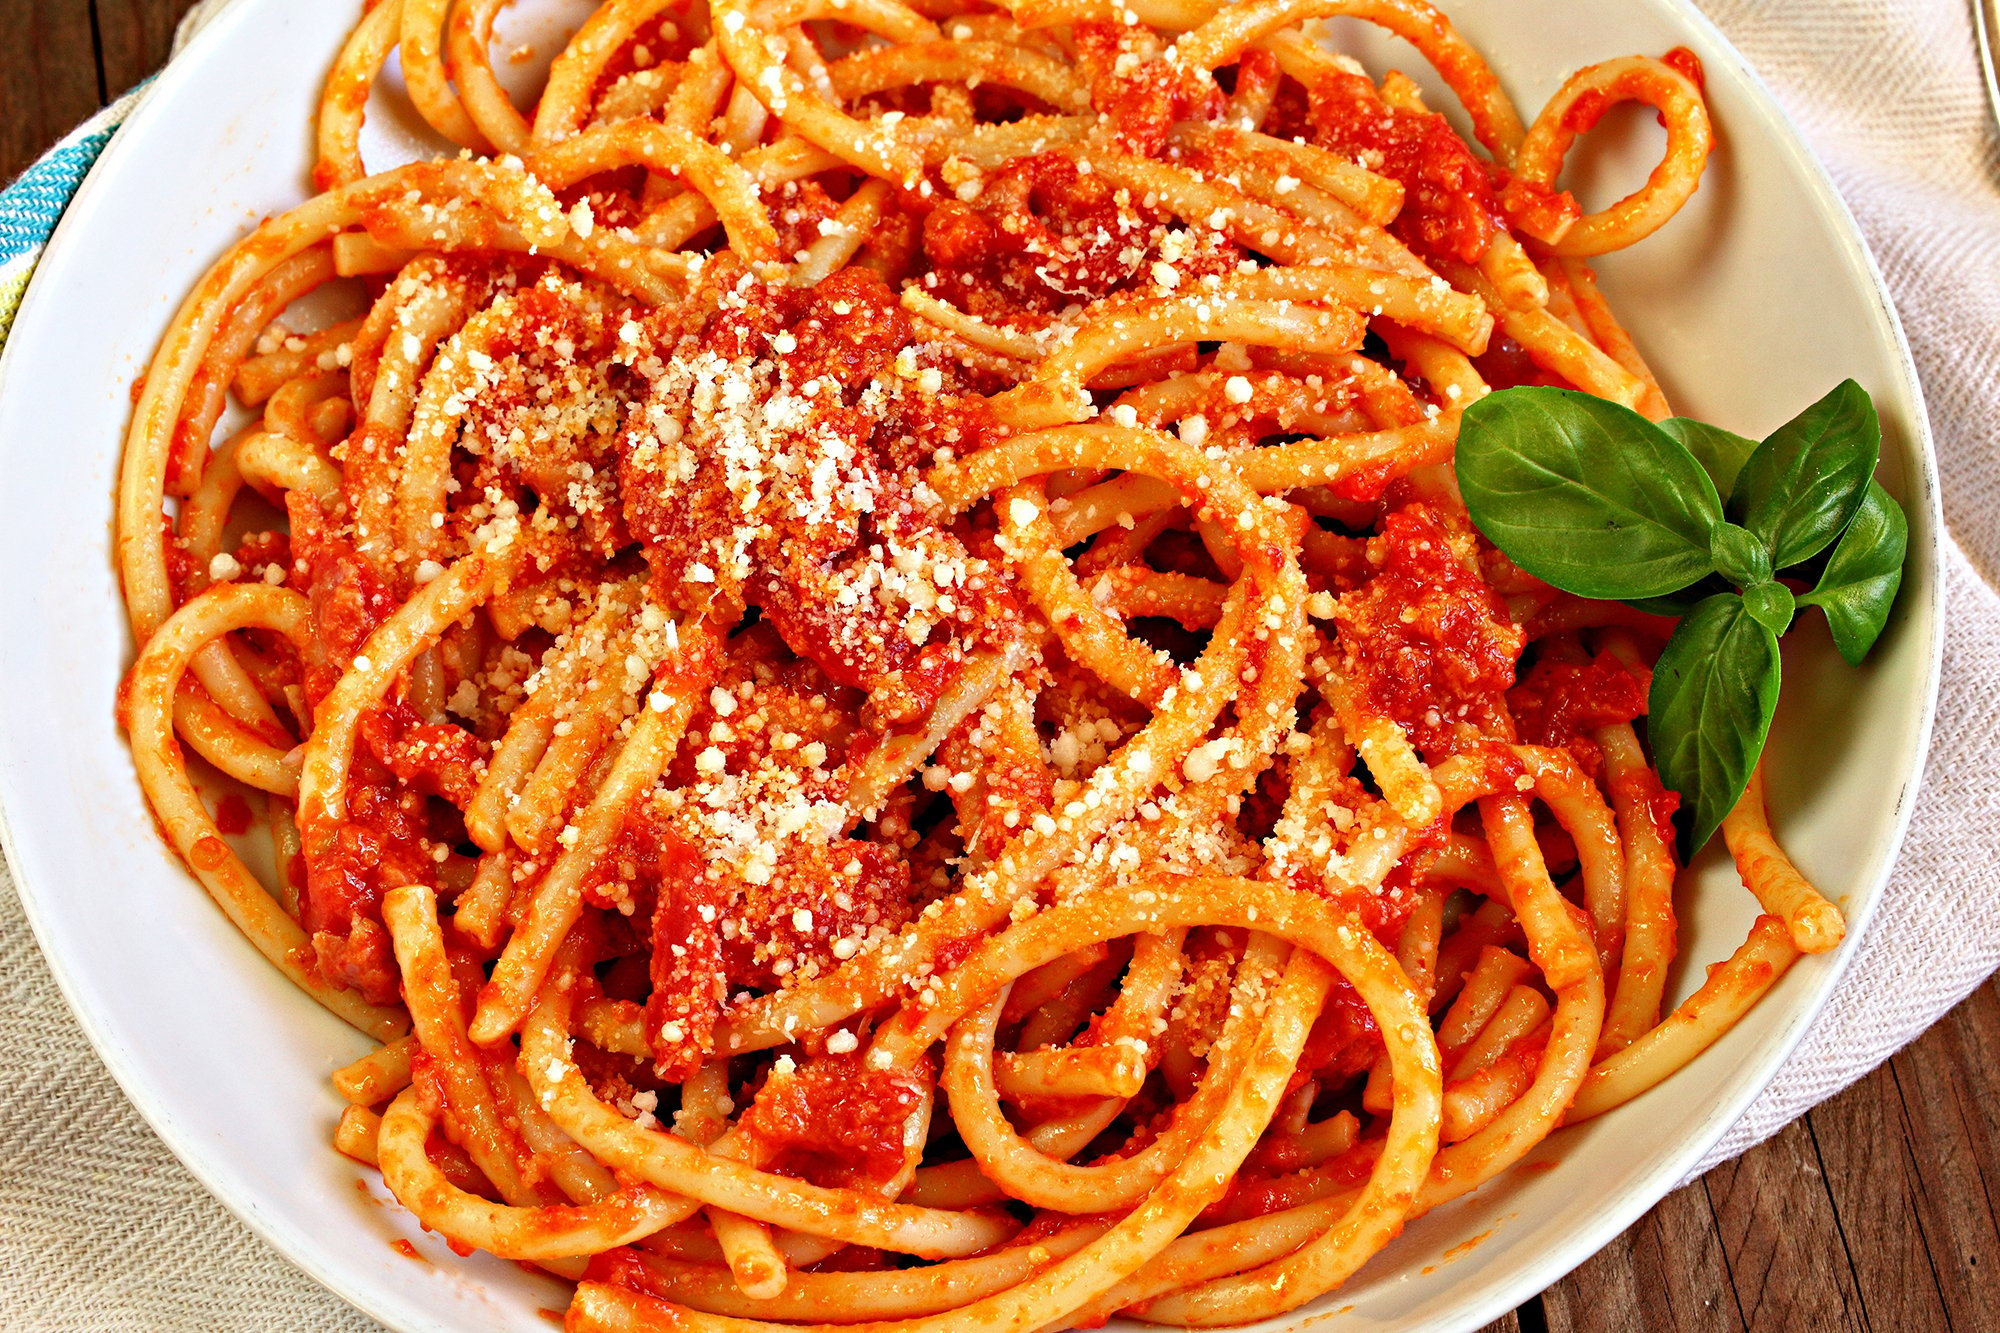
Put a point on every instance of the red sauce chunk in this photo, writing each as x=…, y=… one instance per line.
x=834, y=1120
x=1042, y=234
x=391, y=832
x=348, y=599
x=1505, y=364
x=779, y=890
x=686, y=962
x=1642, y=788
x=380, y=844
x=1426, y=641
x=1449, y=207
x=1558, y=704
x=1140, y=98
x=435, y=758
x=1345, y=1038
x=1689, y=65
x=232, y=814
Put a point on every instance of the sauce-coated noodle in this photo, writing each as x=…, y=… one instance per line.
x=867, y=663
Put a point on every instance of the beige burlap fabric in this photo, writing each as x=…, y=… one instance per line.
x=100, y=1229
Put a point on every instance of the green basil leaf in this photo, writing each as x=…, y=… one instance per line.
x=1861, y=578
x=1771, y=605
x=1804, y=482
x=1585, y=494
x=1720, y=452
x=1739, y=556
x=1714, y=690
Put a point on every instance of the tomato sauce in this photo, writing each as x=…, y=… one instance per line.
x=686, y=963
x=1505, y=364
x=1450, y=210
x=1427, y=642
x=1643, y=789
x=1139, y=98
x=348, y=599
x=391, y=830
x=1689, y=65
x=1043, y=233
x=232, y=815
x=1344, y=1040
x=788, y=494
x=1558, y=703
x=349, y=866
x=836, y=1121
x=181, y=571
x=435, y=758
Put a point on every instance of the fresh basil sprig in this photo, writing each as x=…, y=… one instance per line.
x=1594, y=499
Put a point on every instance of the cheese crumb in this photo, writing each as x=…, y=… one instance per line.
x=1205, y=761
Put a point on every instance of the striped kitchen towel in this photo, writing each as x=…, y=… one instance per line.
x=31, y=206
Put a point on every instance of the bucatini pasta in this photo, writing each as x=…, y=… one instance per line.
x=865, y=661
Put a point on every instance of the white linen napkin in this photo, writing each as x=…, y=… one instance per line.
x=1921, y=170
x=100, y=1229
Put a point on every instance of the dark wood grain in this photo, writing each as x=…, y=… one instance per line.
x=134, y=37
x=1879, y=1211
x=1666, y=1273
x=1875, y=1183
x=1946, y=1087
x=1787, y=1257
x=48, y=76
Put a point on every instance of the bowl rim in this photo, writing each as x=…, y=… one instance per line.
x=1613, y=1215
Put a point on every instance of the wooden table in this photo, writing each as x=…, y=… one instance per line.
x=1879, y=1210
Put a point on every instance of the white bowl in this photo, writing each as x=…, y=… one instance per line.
x=1751, y=304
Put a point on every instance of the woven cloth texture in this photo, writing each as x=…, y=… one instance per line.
x=101, y=1230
